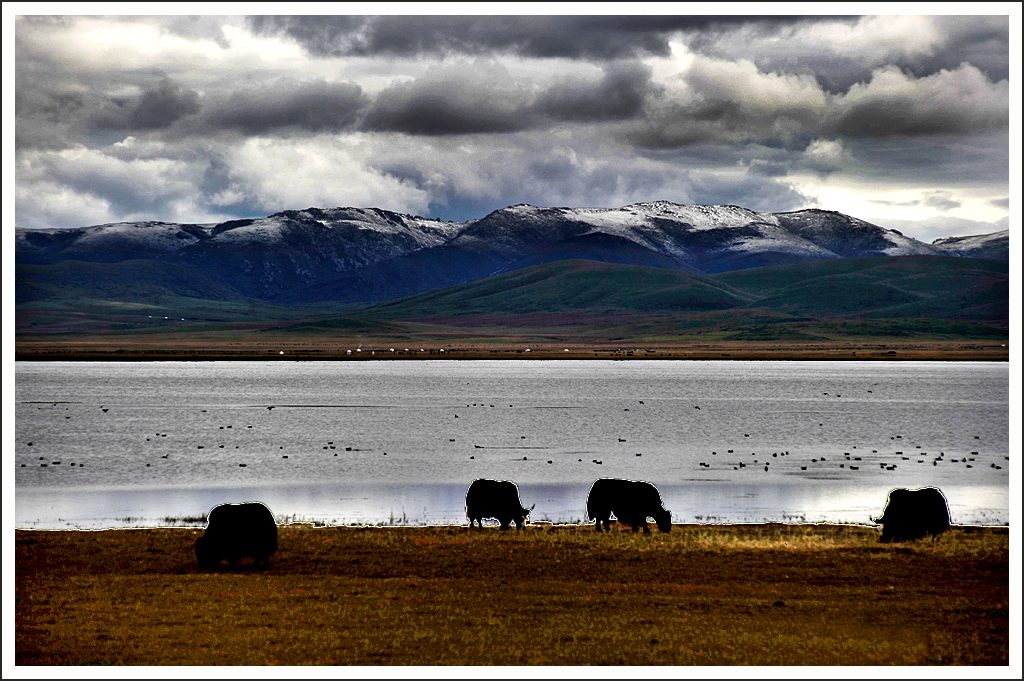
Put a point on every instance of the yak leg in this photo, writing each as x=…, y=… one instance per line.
x=597, y=525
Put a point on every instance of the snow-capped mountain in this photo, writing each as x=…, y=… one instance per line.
x=700, y=238
x=276, y=254
x=377, y=234
x=368, y=254
x=995, y=245
x=262, y=257
x=107, y=243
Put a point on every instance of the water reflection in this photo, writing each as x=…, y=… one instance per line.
x=444, y=504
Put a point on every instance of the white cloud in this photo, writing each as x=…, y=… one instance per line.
x=47, y=204
x=842, y=52
x=91, y=47
x=755, y=92
x=826, y=155
x=872, y=39
x=107, y=187
x=276, y=174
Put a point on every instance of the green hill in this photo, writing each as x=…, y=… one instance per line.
x=925, y=297
x=912, y=287
x=137, y=281
x=831, y=300
x=571, y=286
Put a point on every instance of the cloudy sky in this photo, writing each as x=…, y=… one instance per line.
x=900, y=120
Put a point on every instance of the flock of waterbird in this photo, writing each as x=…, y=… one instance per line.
x=851, y=460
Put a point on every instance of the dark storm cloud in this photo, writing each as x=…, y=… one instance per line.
x=734, y=102
x=1001, y=203
x=583, y=37
x=620, y=94
x=312, y=106
x=162, y=105
x=675, y=125
x=483, y=98
x=963, y=161
x=453, y=100
x=768, y=168
x=894, y=103
x=41, y=117
x=556, y=170
x=54, y=115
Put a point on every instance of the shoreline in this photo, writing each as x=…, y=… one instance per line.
x=757, y=526
x=360, y=350
x=764, y=594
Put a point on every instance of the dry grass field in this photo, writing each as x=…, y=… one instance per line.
x=549, y=595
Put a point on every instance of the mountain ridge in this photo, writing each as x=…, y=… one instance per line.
x=367, y=255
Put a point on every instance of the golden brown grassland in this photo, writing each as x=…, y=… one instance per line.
x=550, y=595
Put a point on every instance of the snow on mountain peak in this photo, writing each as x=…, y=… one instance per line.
x=700, y=237
x=994, y=245
x=702, y=216
x=960, y=242
x=519, y=209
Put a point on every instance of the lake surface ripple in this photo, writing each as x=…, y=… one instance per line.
x=398, y=442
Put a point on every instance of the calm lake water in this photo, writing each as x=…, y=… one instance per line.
x=398, y=442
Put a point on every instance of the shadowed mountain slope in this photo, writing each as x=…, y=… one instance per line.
x=367, y=255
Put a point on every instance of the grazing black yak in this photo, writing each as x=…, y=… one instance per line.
x=235, y=531
x=631, y=501
x=914, y=514
x=495, y=499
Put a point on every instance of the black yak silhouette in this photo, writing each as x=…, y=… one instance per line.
x=495, y=499
x=236, y=531
x=914, y=514
x=630, y=501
